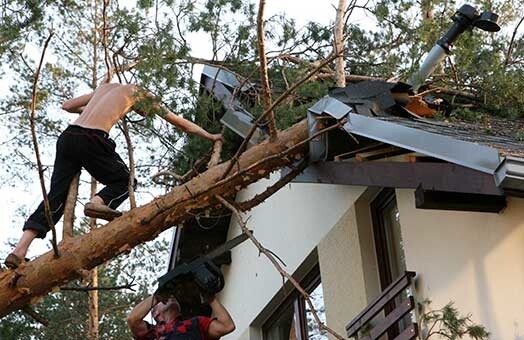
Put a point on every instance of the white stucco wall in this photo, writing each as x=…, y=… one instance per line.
x=474, y=259
x=342, y=272
x=291, y=223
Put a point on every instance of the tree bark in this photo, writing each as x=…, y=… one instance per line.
x=37, y=278
x=266, y=90
x=130, y=155
x=69, y=209
x=92, y=300
x=92, y=278
x=92, y=332
x=340, y=62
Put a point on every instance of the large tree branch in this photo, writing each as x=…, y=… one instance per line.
x=38, y=277
x=259, y=198
x=92, y=299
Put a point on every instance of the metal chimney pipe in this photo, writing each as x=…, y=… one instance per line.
x=466, y=17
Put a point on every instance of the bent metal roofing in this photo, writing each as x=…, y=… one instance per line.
x=492, y=147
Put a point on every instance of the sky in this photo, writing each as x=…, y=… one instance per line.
x=28, y=196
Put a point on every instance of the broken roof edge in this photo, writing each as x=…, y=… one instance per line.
x=470, y=155
x=222, y=84
x=225, y=77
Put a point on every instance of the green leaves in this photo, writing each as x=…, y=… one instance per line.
x=449, y=324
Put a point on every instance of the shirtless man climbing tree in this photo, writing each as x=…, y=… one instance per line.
x=86, y=144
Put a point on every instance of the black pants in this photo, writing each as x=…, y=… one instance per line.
x=77, y=148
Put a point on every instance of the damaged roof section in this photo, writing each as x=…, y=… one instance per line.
x=226, y=87
x=376, y=111
x=380, y=125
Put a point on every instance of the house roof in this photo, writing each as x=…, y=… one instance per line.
x=498, y=134
x=492, y=147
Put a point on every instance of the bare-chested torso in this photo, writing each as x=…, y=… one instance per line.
x=108, y=104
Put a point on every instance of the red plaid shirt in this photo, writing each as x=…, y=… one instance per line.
x=191, y=329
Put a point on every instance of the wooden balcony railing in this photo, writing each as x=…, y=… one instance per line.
x=361, y=327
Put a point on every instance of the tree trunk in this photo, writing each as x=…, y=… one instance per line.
x=264, y=78
x=92, y=300
x=69, y=209
x=92, y=331
x=92, y=296
x=340, y=62
x=37, y=278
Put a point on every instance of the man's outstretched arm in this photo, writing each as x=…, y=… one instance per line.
x=223, y=324
x=135, y=318
x=76, y=105
x=190, y=127
x=147, y=103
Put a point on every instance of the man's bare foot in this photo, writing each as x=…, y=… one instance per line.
x=97, y=210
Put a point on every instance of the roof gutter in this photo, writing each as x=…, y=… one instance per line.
x=510, y=176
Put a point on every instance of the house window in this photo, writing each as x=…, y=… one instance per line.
x=389, y=248
x=294, y=320
x=388, y=238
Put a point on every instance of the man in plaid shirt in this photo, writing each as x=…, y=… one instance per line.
x=170, y=325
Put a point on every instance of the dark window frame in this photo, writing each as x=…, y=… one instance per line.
x=378, y=205
x=298, y=303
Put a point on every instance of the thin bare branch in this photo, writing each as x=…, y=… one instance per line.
x=274, y=105
x=104, y=41
x=91, y=288
x=157, y=177
x=47, y=209
x=131, y=184
x=93, y=321
x=37, y=317
x=277, y=266
x=266, y=90
x=512, y=42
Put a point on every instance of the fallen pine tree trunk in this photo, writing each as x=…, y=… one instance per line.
x=37, y=278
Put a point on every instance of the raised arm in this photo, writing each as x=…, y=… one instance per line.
x=223, y=324
x=190, y=127
x=135, y=318
x=76, y=105
x=147, y=103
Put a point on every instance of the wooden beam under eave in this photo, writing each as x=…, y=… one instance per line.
x=436, y=176
x=458, y=201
